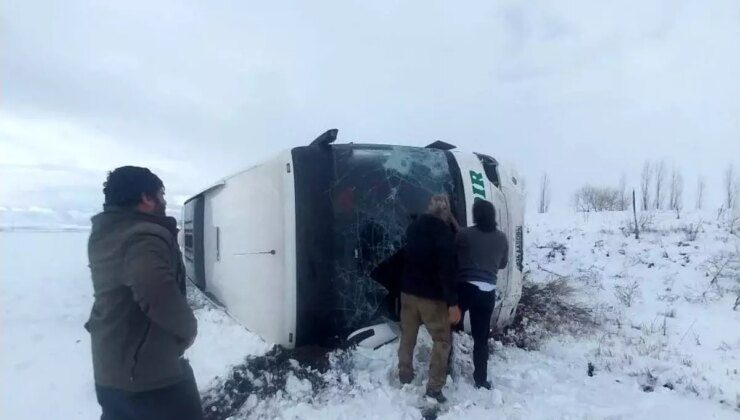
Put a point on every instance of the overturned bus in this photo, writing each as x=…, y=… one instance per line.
x=287, y=247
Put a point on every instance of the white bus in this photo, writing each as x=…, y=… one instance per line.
x=287, y=246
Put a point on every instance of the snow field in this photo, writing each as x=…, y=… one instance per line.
x=668, y=344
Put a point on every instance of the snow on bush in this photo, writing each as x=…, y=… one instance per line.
x=262, y=381
x=546, y=309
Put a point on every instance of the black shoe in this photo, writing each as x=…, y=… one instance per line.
x=405, y=379
x=483, y=384
x=437, y=395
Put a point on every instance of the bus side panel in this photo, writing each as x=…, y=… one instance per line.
x=246, y=250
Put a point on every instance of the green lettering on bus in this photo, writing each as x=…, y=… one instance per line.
x=479, y=186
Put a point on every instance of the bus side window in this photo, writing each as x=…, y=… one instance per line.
x=189, y=242
x=490, y=166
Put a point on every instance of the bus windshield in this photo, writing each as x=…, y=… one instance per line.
x=377, y=191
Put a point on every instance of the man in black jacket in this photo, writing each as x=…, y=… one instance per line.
x=428, y=294
x=140, y=324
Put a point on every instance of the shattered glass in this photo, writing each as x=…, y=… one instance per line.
x=376, y=193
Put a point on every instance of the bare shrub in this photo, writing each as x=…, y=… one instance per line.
x=590, y=277
x=546, y=309
x=648, y=380
x=634, y=215
x=544, y=198
x=700, y=187
x=723, y=274
x=669, y=313
x=730, y=187
x=555, y=249
x=730, y=221
x=645, y=180
x=645, y=223
x=668, y=296
x=690, y=231
x=623, y=202
x=589, y=198
x=675, y=198
x=627, y=294
x=723, y=271
x=627, y=228
x=733, y=224
x=659, y=178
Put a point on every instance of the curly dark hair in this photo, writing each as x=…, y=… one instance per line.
x=484, y=215
x=126, y=184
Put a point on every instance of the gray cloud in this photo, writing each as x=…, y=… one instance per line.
x=583, y=90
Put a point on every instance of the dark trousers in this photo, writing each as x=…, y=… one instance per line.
x=180, y=401
x=480, y=304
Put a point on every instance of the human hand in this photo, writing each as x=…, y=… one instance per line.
x=190, y=342
x=185, y=344
x=454, y=314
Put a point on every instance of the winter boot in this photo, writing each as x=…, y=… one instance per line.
x=405, y=377
x=483, y=384
x=437, y=395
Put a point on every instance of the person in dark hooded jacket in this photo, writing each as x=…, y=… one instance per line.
x=428, y=294
x=140, y=323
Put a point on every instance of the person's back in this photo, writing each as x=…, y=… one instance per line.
x=429, y=263
x=482, y=250
x=140, y=323
x=428, y=291
x=481, y=254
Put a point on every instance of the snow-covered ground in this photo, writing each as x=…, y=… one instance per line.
x=668, y=345
x=45, y=298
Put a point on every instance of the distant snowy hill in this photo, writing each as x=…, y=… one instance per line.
x=40, y=218
x=34, y=218
x=667, y=343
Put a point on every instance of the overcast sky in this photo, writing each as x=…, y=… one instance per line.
x=582, y=90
